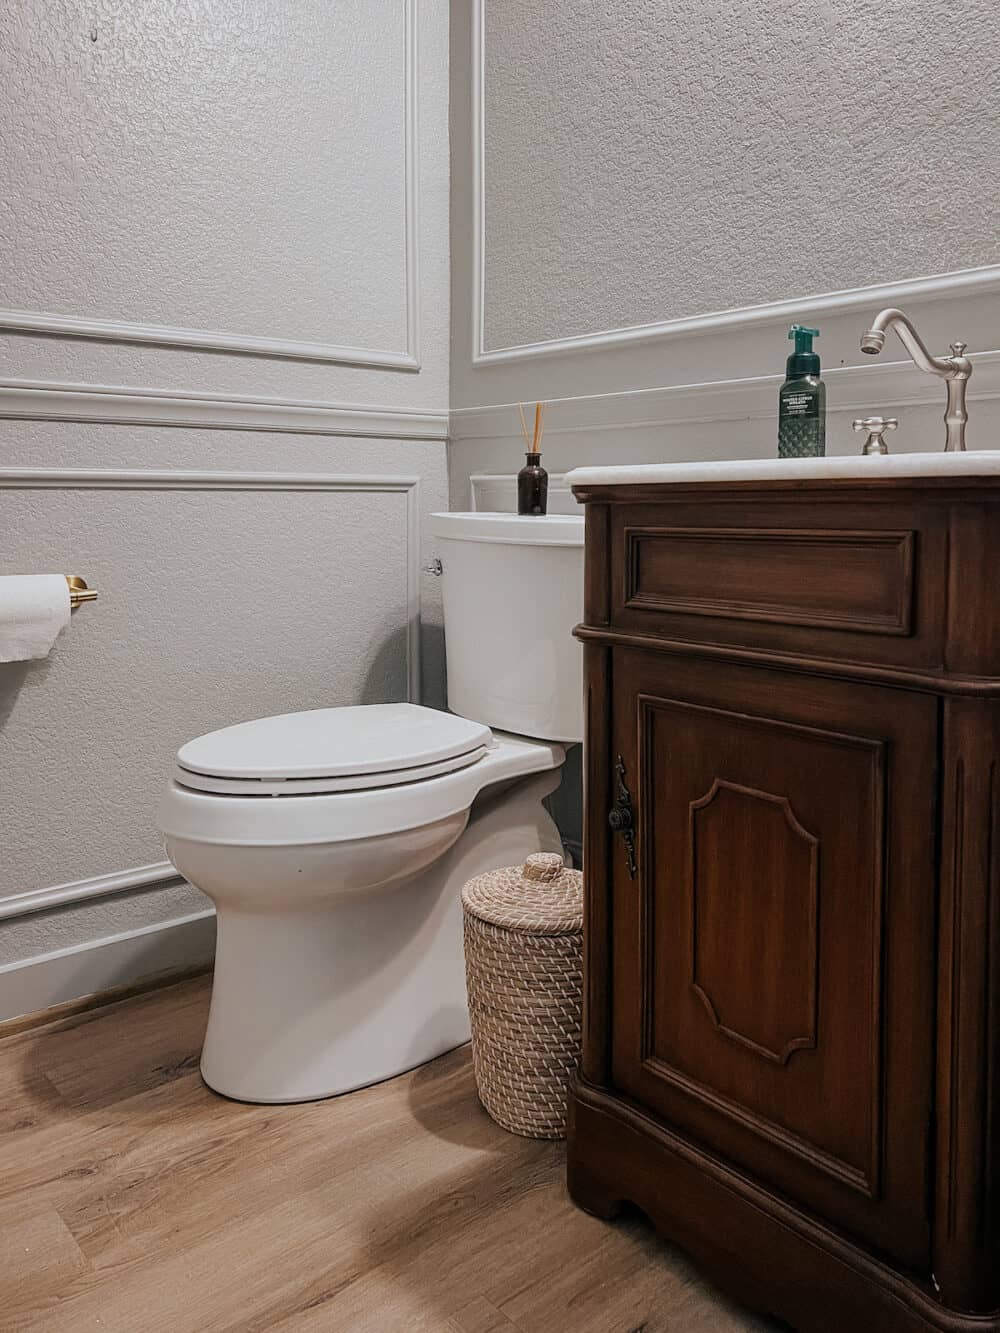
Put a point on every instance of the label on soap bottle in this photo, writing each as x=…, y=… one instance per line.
x=802, y=422
x=800, y=405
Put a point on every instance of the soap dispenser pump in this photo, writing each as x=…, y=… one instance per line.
x=802, y=400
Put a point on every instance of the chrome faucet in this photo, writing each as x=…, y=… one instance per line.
x=954, y=370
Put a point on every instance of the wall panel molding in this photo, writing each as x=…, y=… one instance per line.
x=141, y=479
x=158, y=873
x=975, y=281
x=51, y=400
x=496, y=492
x=162, y=335
x=849, y=389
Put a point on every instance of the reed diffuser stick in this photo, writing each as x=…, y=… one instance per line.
x=532, y=439
x=532, y=480
x=524, y=427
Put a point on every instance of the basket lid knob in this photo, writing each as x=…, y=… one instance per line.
x=545, y=866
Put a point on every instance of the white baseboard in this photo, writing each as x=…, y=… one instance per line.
x=33, y=984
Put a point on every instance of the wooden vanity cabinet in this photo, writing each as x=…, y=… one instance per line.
x=792, y=934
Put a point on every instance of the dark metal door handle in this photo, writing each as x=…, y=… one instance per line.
x=621, y=820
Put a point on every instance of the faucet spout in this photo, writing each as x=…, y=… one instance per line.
x=954, y=369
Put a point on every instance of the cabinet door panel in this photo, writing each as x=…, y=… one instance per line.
x=758, y=986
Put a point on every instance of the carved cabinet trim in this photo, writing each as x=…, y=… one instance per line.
x=700, y=984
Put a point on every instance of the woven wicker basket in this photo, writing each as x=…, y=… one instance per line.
x=523, y=968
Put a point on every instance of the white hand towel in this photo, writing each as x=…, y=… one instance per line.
x=34, y=608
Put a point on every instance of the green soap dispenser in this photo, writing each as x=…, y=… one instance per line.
x=802, y=400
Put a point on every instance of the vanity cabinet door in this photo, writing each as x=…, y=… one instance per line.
x=773, y=957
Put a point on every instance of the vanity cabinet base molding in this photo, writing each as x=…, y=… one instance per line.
x=762, y=1251
x=791, y=1053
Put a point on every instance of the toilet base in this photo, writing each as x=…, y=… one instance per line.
x=317, y=1001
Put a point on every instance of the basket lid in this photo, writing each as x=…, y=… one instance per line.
x=541, y=897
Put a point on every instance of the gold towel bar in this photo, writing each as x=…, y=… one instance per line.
x=79, y=592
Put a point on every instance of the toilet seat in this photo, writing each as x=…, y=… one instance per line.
x=333, y=742
x=300, y=819
x=317, y=786
x=329, y=750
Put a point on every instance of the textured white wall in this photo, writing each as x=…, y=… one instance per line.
x=229, y=168
x=647, y=160
x=215, y=606
x=644, y=162
x=237, y=170
x=189, y=165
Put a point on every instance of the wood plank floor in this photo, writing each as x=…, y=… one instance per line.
x=132, y=1198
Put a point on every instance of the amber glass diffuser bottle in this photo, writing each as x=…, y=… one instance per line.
x=532, y=480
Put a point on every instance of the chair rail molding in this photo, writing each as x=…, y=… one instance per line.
x=849, y=389
x=162, y=335
x=972, y=281
x=119, y=404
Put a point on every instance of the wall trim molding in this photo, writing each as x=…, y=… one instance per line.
x=33, y=984
x=118, y=404
x=880, y=385
x=156, y=875
x=162, y=335
x=496, y=493
x=11, y=478
x=960, y=282
x=15, y=478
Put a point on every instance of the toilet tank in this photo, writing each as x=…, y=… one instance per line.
x=513, y=591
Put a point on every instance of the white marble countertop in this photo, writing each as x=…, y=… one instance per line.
x=975, y=463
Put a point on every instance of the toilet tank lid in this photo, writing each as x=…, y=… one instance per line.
x=511, y=529
x=334, y=742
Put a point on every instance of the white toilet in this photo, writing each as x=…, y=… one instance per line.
x=335, y=843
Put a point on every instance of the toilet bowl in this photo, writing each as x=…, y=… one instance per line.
x=335, y=843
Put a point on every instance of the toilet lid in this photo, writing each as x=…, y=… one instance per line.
x=400, y=742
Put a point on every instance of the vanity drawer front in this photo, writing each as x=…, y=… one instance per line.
x=844, y=583
x=829, y=579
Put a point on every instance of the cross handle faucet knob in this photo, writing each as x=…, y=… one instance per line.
x=876, y=428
